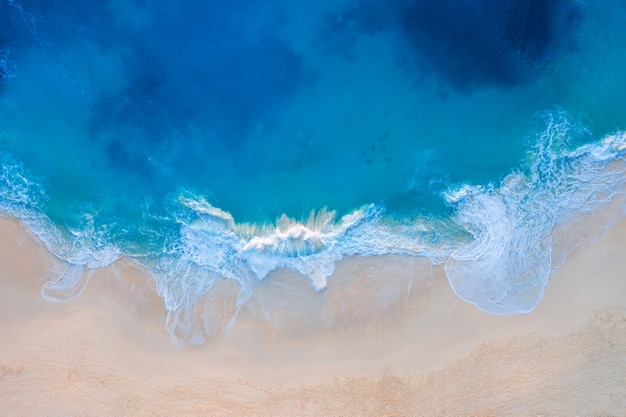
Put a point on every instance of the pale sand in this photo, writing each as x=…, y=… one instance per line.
x=420, y=351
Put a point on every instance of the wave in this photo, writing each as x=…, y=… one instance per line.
x=79, y=253
x=504, y=269
x=498, y=248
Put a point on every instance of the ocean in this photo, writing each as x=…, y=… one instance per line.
x=217, y=142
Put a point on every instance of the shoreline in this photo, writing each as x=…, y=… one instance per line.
x=423, y=352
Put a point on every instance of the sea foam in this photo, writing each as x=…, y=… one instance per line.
x=80, y=252
x=497, y=247
x=504, y=269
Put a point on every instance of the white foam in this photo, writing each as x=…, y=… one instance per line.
x=504, y=269
x=498, y=248
x=79, y=254
x=214, y=247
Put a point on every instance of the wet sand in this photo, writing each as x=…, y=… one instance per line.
x=359, y=348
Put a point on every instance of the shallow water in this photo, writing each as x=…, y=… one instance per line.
x=214, y=141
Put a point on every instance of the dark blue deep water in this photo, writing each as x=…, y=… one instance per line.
x=213, y=140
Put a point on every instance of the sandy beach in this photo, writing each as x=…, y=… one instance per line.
x=420, y=351
x=326, y=208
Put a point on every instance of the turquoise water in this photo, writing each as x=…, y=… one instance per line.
x=213, y=140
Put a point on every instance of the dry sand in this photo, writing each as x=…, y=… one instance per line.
x=424, y=353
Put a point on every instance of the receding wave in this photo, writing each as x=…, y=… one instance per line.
x=498, y=247
x=504, y=268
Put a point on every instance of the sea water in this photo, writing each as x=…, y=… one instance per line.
x=214, y=141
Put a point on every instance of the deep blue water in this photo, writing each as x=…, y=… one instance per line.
x=221, y=140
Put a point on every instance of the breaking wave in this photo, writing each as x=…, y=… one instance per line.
x=498, y=246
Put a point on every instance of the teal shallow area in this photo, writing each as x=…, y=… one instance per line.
x=213, y=140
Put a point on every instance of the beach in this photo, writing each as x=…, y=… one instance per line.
x=327, y=208
x=107, y=352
